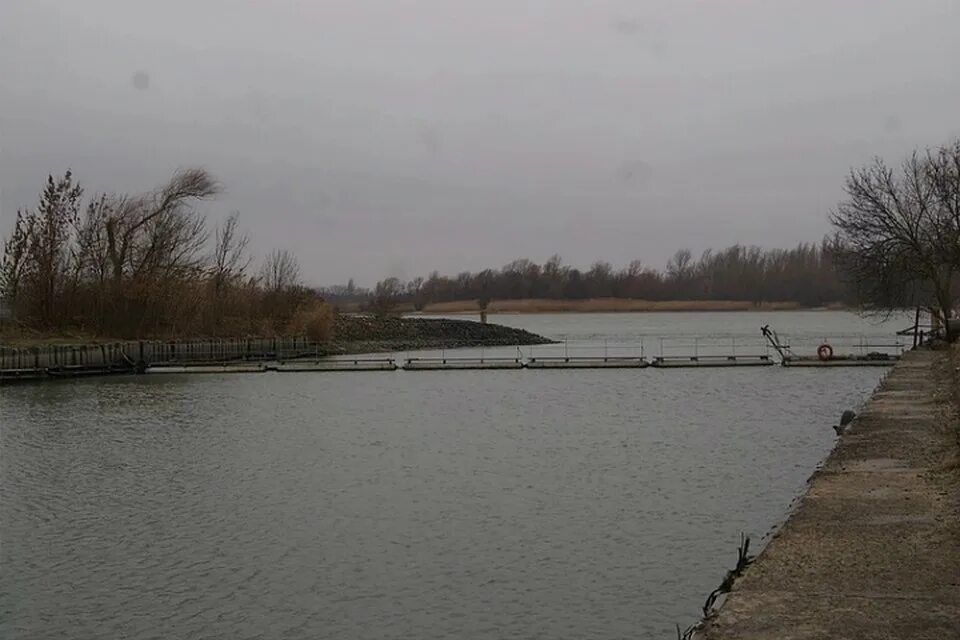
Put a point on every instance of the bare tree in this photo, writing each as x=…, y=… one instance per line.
x=680, y=266
x=230, y=260
x=138, y=228
x=139, y=265
x=280, y=271
x=38, y=264
x=899, y=232
x=943, y=175
x=385, y=296
x=15, y=257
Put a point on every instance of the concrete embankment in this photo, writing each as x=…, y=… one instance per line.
x=873, y=549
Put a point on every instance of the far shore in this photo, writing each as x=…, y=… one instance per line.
x=609, y=305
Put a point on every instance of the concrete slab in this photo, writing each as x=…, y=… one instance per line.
x=873, y=549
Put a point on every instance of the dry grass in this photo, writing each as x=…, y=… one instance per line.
x=605, y=305
x=314, y=321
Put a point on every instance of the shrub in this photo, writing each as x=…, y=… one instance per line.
x=314, y=320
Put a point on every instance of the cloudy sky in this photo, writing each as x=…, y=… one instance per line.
x=395, y=137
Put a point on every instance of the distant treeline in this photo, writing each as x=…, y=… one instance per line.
x=805, y=275
x=144, y=265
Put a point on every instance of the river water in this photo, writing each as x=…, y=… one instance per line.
x=470, y=504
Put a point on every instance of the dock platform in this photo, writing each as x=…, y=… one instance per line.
x=208, y=368
x=840, y=361
x=14, y=375
x=581, y=362
x=336, y=364
x=441, y=364
x=681, y=362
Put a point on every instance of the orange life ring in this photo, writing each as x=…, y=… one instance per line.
x=824, y=351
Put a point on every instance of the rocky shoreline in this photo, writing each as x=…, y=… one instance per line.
x=366, y=334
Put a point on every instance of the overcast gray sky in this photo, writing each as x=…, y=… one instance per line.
x=392, y=137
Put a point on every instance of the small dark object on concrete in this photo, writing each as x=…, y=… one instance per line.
x=845, y=419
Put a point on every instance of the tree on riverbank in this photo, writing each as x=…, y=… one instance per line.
x=805, y=275
x=146, y=265
x=899, y=232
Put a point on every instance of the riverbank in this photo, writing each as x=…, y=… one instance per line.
x=873, y=549
x=606, y=305
x=601, y=305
